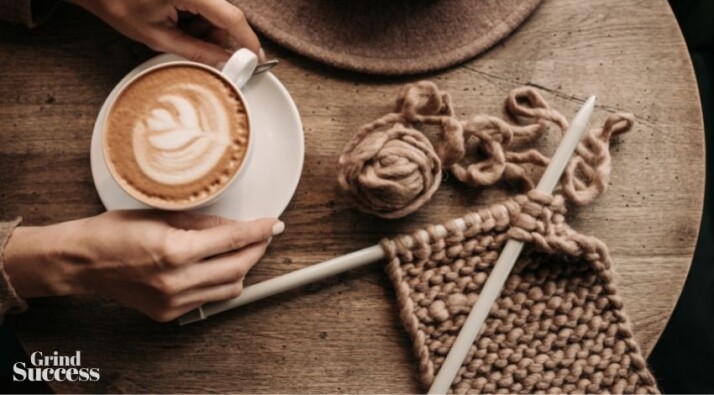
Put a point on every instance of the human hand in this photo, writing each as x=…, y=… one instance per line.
x=162, y=264
x=217, y=25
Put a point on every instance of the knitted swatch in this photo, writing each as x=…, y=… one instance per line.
x=558, y=325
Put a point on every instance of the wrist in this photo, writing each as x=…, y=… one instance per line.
x=39, y=260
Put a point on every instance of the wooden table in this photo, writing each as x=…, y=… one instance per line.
x=342, y=335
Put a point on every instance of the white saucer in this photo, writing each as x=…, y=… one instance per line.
x=268, y=184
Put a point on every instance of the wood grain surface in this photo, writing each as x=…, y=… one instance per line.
x=342, y=334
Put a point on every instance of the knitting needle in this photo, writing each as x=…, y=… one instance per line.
x=307, y=275
x=486, y=299
x=302, y=277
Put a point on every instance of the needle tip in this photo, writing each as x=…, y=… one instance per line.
x=590, y=101
x=583, y=115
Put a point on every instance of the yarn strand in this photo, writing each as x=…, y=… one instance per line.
x=391, y=168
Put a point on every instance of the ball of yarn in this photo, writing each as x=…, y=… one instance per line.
x=391, y=172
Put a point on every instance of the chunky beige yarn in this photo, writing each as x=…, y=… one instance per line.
x=558, y=326
x=390, y=172
x=391, y=168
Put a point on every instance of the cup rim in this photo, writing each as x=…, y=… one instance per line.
x=140, y=197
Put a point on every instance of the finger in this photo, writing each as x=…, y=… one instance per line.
x=200, y=28
x=225, y=268
x=222, y=38
x=225, y=15
x=224, y=238
x=163, y=314
x=179, y=311
x=191, y=221
x=177, y=42
x=210, y=294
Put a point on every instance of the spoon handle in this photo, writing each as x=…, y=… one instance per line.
x=267, y=65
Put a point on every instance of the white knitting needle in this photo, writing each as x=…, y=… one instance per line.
x=302, y=277
x=509, y=255
x=313, y=273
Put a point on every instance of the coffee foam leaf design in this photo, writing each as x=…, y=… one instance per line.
x=174, y=139
x=181, y=140
x=161, y=120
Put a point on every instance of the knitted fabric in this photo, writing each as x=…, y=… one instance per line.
x=557, y=326
x=10, y=302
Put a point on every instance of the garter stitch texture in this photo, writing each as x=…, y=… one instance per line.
x=391, y=168
x=558, y=325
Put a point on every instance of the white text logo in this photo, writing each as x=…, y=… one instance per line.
x=54, y=367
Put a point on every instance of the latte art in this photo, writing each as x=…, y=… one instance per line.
x=180, y=141
x=176, y=136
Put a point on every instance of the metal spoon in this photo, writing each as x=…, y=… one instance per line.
x=265, y=66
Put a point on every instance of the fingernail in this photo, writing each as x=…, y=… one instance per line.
x=220, y=65
x=278, y=228
x=261, y=55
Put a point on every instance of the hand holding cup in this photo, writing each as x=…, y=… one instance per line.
x=198, y=30
x=162, y=264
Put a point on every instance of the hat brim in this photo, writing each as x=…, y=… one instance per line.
x=391, y=37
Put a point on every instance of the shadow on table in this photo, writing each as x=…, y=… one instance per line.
x=12, y=353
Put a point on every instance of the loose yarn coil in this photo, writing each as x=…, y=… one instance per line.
x=391, y=168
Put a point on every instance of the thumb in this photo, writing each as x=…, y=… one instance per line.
x=175, y=41
x=224, y=238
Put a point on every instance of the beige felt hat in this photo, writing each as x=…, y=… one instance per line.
x=387, y=36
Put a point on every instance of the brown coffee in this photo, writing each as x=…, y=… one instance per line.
x=176, y=136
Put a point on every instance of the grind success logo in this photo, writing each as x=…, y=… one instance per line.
x=54, y=367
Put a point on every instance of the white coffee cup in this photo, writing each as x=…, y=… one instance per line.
x=235, y=72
